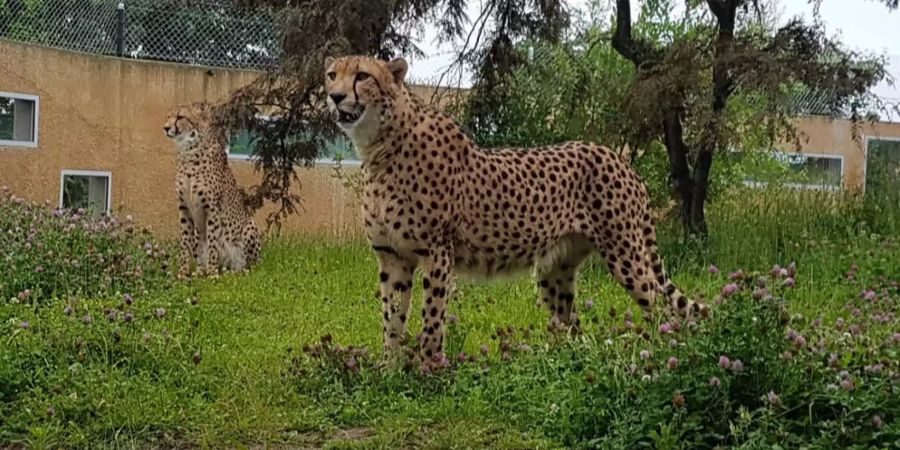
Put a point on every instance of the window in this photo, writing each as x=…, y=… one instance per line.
x=883, y=167
x=814, y=171
x=338, y=149
x=240, y=146
x=797, y=170
x=85, y=189
x=18, y=120
x=242, y=143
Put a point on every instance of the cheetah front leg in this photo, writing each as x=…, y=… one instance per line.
x=437, y=282
x=188, y=241
x=396, y=275
x=214, y=236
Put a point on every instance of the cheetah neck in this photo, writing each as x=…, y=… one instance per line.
x=205, y=146
x=375, y=151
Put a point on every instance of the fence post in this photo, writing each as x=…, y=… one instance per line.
x=120, y=29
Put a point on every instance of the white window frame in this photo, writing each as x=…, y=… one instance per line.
x=87, y=173
x=866, y=155
x=326, y=162
x=237, y=157
x=807, y=186
x=243, y=157
x=37, y=116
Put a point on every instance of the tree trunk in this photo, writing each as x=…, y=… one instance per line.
x=679, y=170
x=725, y=12
x=701, y=188
x=644, y=57
x=692, y=188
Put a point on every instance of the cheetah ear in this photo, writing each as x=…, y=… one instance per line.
x=329, y=60
x=398, y=68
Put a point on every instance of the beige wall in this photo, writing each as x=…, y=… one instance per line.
x=821, y=135
x=105, y=114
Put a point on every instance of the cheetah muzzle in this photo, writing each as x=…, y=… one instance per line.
x=435, y=201
x=349, y=118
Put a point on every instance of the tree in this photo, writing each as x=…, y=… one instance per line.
x=690, y=81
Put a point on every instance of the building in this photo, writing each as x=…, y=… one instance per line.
x=78, y=128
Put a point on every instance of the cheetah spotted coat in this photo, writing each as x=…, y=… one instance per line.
x=434, y=200
x=217, y=230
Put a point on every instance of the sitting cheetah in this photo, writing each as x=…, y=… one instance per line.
x=216, y=227
x=433, y=199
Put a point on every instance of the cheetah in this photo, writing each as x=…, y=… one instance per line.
x=433, y=200
x=216, y=227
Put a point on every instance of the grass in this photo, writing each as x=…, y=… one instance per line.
x=220, y=363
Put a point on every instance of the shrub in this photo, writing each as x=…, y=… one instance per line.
x=46, y=254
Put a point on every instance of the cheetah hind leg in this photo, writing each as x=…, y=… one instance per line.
x=678, y=303
x=628, y=263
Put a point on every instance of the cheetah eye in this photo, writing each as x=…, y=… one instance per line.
x=332, y=76
x=362, y=76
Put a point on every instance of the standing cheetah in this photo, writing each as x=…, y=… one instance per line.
x=433, y=199
x=217, y=229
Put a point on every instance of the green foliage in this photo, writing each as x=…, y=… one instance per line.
x=582, y=89
x=565, y=94
x=98, y=364
x=780, y=223
x=751, y=377
x=51, y=254
x=569, y=90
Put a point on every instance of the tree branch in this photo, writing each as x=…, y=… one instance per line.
x=718, y=7
x=622, y=40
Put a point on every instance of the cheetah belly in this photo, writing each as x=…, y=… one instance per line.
x=477, y=264
x=489, y=247
x=507, y=257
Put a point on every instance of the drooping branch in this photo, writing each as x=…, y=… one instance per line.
x=499, y=55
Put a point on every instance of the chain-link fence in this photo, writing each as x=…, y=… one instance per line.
x=204, y=33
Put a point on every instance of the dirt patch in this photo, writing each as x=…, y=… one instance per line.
x=353, y=434
x=312, y=440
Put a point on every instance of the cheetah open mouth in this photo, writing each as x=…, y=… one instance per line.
x=350, y=117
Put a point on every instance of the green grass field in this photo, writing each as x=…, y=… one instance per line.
x=221, y=363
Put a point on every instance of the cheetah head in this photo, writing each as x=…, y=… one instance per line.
x=184, y=124
x=359, y=90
